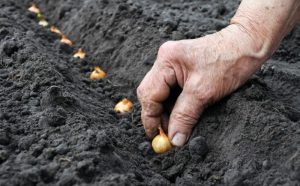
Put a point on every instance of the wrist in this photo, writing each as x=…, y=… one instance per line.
x=263, y=44
x=249, y=43
x=267, y=22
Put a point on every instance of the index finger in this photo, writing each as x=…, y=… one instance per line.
x=153, y=90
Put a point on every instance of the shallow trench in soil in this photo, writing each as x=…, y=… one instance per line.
x=58, y=127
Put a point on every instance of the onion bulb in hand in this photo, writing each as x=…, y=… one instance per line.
x=161, y=142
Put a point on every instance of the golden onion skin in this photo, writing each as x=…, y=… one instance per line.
x=161, y=142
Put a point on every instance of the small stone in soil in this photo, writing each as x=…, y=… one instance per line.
x=198, y=147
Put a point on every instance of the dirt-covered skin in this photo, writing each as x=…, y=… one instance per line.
x=57, y=127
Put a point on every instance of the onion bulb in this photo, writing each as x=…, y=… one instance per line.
x=97, y=74
x=34, y=9
x=79, y=54
x=64, y=39
x=55, y=30
x=161, y=142
x=43, y=23
x=124, y=106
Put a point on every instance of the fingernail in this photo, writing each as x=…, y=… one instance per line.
x=179, y=139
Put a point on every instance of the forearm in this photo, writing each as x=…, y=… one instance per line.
x=267, y=22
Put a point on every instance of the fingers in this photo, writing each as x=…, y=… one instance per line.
x=183, y=118
x=151, y=117
x=153, y=90
x=165, y=121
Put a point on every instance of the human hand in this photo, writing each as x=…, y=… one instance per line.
x=206, y=69
x=213, y=66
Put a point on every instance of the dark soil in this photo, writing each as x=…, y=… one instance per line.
x=57, y=127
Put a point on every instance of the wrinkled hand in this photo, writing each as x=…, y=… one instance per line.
x=206, y=69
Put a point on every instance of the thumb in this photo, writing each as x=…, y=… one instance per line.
x=184, y=116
